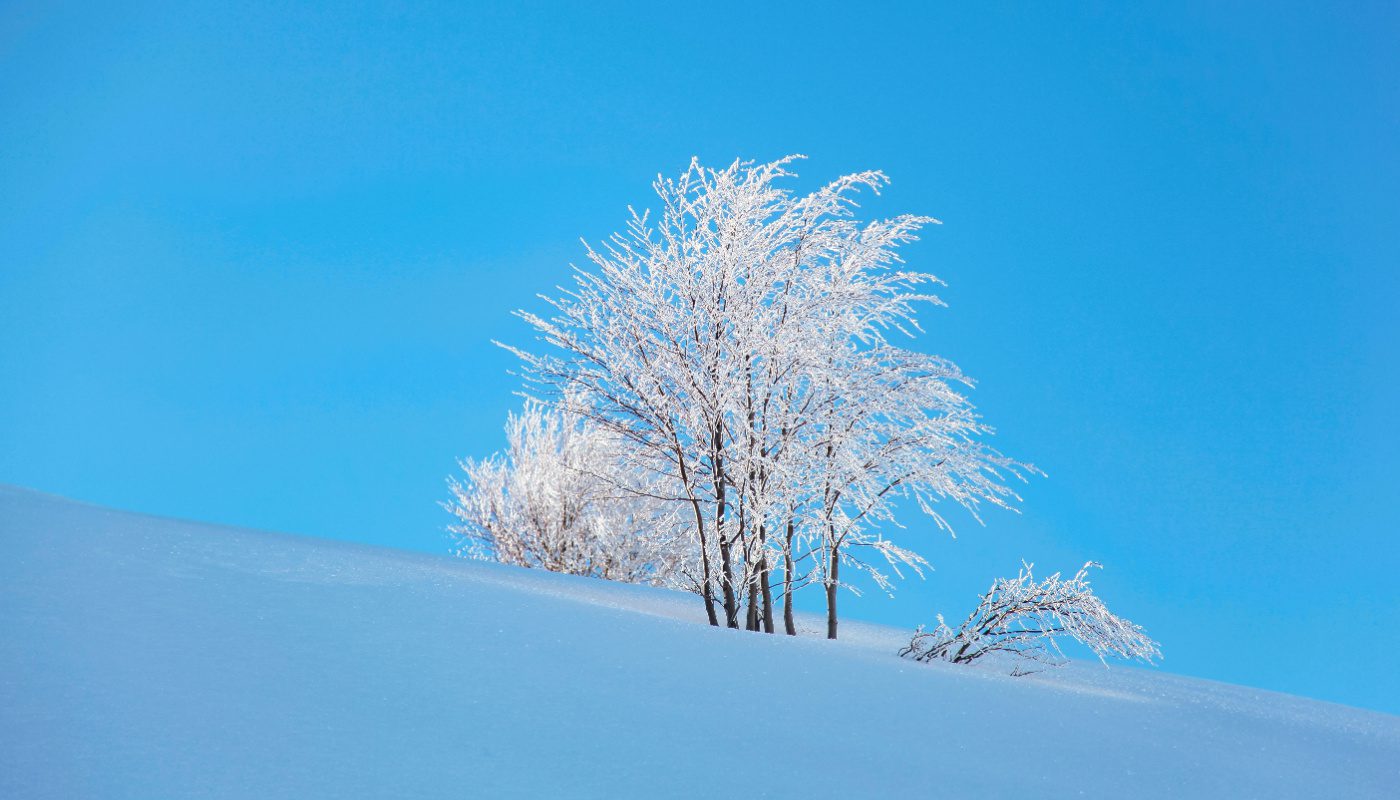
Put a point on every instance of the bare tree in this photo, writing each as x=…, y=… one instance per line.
x=1023, y=618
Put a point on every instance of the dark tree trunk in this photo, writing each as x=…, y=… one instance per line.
x=704, y=566
x=789, y=625
x=751, y=623
x=731, y=602
x=706, y=590
x=726, y=580
x=766, y=585
x=831, y=594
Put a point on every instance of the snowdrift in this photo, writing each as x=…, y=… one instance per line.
x=151, y=658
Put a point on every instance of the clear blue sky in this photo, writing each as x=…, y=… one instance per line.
x=251, y=258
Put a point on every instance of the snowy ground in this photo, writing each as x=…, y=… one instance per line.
x=152, y=658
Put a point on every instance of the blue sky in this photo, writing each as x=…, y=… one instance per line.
x=252, y=258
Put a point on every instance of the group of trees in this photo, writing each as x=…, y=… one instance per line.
x=731, y=407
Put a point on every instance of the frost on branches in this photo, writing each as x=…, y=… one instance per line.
x=742, y=344
x=1022, y=618
x=556, y=500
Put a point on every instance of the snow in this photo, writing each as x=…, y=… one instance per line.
x=144, y=657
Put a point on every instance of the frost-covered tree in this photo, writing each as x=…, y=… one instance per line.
x=1022, y=617
x=742, y=344
x=558, y=499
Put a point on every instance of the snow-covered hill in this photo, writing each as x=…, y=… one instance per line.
x=153, y=658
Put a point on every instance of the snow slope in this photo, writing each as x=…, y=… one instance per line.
x=151, y=658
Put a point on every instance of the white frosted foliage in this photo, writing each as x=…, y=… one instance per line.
x=552, y=501
x=1023, y=617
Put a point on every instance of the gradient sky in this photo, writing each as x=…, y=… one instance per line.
x=251, y=258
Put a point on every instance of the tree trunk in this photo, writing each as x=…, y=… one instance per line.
x=731, y=605
x=789, y=624
x=751, y=623
x=706, y=590
x=831, y=584
x=726, y=579
x=767, y=587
